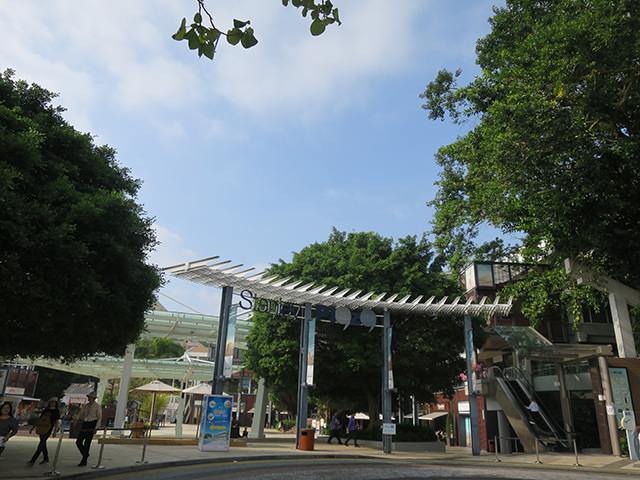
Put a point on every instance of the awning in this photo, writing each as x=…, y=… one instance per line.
x=432, y=415
x=527, y=342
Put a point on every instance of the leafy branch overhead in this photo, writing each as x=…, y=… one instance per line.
x=205, y=38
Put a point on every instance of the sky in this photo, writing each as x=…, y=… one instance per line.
x=260, y=152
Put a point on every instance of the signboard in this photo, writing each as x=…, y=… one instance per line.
x=621, y=391
x=388, y=428
x=14, y=391
x=215, y=427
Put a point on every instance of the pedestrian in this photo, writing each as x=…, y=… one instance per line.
x=45, y=426
x=335, y=429
x=535, y=410
x=8, y=425
x=91, y=417
x=352, y=428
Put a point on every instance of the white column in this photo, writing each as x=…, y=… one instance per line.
x=123, y=394
x=622, y=326
x=180, y=412
x=257, y=424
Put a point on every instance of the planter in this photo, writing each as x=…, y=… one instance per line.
x=435, y=447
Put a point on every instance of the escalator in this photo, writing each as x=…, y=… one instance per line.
x=512, y=390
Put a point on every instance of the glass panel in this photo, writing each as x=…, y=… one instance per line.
x=500, y=274
x=485, y=275
x=470, y=278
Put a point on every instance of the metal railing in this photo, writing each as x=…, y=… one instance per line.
x=61, y=431
x=536, y=441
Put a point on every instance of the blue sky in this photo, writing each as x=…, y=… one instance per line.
x=259, y=153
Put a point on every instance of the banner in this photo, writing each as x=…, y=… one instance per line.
x=215, y=426
x=311, y=351
x=231, y=337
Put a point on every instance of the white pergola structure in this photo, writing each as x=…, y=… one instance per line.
x=158, y=323
x=228, y=276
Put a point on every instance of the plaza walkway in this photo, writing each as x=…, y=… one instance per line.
x=124, y=456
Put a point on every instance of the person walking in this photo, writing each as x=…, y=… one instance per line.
x=335, y=429
x=535, y=411
x=352, y=428
x=91, y=417
x=8, y=425
x=45, y=426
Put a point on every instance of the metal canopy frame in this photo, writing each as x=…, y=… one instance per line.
x=180, y=326
x=111, y=367
x=213, y=273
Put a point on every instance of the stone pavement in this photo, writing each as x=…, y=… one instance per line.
x=125, y=456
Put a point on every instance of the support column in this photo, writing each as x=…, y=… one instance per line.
x=611, y=408
x=565, y=402
x=123, y=393
x=473, y=398
x=217, y=385
x=503, y=433
x=257, y=424
x=180, y=412
x=102, y=387
x=303, y=387
x=622, y=326
x=387, y=380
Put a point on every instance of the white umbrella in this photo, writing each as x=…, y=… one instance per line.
x=155, y=387
x=200, y=389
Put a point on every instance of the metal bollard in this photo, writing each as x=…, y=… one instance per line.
x=537, y=452
x=99, y=466
x=53, y=472
x=495, y=447
x=575, y=449
x=144, y=446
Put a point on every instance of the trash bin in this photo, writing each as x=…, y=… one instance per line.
x=491, y=446
x=307, y=438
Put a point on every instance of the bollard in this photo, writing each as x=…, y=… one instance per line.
x=144, y=446
x=495, y=442
x=99, y=466
x=53, y=472
x=535, y=439
x=575, y=449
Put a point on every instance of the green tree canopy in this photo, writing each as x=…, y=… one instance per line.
x=553, y=155
x=426, y=351
x=155, y=348
x=74, y=243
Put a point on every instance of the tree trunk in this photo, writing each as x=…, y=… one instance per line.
x=374, y=411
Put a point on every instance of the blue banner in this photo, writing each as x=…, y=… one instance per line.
x=215, y=426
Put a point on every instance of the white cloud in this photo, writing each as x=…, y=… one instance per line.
x=171, y=249
x=292, y=71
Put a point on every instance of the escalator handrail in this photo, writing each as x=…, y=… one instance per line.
x=549, y=419
x=513, y=396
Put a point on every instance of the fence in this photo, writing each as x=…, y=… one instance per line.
x=62, y=430
x=536, y=441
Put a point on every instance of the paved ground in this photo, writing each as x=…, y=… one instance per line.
x=277, y=458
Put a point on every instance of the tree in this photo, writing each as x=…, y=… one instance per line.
x=158, y=347
x=553, y=156
x=205, y=38
x=74, y=243
x=426, y=351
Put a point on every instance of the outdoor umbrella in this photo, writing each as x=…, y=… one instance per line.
x=200, y=389
x=156, y=387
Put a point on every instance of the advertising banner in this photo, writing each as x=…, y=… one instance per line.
x=311, y=355
x=228, y=348
x=215, y=426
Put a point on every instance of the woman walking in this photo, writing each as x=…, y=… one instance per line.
x=45, y=426
x=8, y=425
